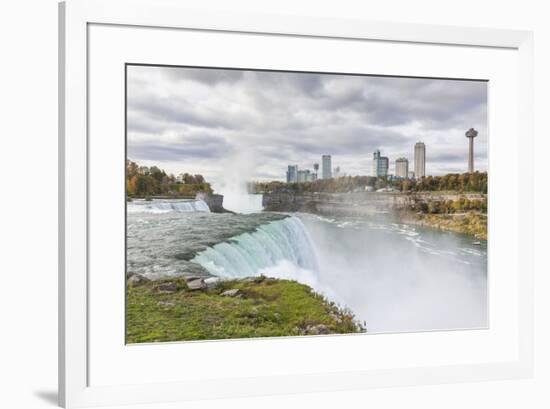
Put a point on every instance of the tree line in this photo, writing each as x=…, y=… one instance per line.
x=143, y=181
x=475, y=182
x=461, y=205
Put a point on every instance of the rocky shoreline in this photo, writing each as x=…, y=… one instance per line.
x=472, y=223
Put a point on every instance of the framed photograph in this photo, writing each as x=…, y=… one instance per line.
x=258, y=204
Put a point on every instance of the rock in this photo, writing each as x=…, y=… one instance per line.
x=335, y=317
x=234, y=292
x=196, y=284
x=166, y=304
x=319, y=329
x=169, y=287
x=214, y=201
x=212, y=282
x=192, y=278
x=136, y=279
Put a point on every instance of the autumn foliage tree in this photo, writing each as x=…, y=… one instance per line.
x=143, y=181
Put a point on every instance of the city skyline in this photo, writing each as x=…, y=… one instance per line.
x=379, y=166
x=209, y=121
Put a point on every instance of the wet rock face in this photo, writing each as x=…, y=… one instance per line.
x=289, y=202
x=356, y=203
x=335, y=204
x=214, y=201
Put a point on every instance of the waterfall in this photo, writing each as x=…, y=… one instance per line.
x=166, y=206
x=277, y=243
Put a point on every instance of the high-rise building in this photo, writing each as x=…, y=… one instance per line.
x=304, y=176
x=380, y=165
x=419, y=160
x=402, y=168
x=292, y=174
x=326, y=161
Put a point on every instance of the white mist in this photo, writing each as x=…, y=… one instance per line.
x=231, y=183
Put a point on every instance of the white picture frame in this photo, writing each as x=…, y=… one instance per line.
x=75, y=19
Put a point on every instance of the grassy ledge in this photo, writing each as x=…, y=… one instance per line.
x=257, y=307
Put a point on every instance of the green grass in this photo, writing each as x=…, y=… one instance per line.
x=267, y=308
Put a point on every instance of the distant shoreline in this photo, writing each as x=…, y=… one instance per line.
x=451, y=211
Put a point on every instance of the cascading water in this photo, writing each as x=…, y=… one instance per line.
x=250, y=254
x=166, y=206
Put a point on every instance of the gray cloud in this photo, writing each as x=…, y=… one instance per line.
x=205, y=147
x=204, y=75
x=167, y=112
x=202, y=116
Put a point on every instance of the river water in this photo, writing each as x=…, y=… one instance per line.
x=394, y=277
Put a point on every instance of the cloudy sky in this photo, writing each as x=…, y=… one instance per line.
x=253, y=124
